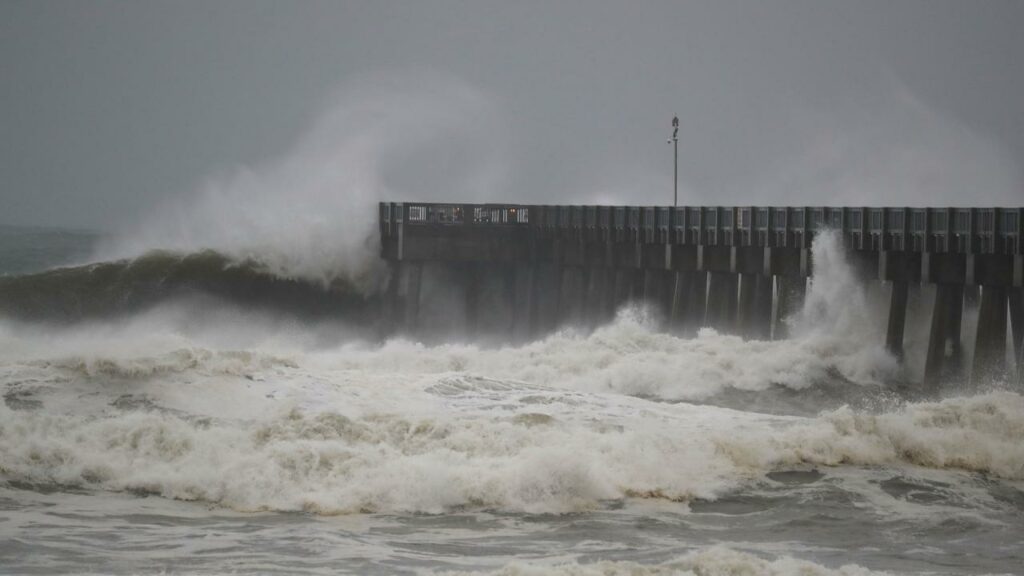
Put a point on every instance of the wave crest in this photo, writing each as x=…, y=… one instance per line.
x=977, y=434
x=108, y=289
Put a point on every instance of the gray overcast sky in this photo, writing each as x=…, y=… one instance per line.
x=110, y=111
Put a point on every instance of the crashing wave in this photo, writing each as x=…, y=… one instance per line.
x=117, y=288
x=525, y=460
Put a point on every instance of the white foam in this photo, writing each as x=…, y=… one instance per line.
x=712, y=561
x=333, y=462
x=980, y=433
x=287, y=436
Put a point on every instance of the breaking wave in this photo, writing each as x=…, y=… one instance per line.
x=111, y=289
x=487, y=445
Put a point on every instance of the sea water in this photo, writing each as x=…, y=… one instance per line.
x=190, y=435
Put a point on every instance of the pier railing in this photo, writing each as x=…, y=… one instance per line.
x=938, y=230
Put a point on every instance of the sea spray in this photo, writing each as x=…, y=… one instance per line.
x=311, y=213
x=838, y=318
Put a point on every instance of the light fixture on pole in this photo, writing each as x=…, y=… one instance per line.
x=674, y=140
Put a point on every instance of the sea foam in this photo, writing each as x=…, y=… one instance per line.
x=528, y=449
x=712, y=561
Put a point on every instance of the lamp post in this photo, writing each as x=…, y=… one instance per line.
x=674, y=140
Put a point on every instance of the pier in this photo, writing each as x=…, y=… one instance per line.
x=523, y=270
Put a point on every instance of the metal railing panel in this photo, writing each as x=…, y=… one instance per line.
x=965, y=230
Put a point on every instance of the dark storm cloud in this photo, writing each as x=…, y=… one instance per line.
x=107, y=109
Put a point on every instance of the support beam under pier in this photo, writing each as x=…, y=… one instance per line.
x=600, y=281
x=407, y=295
x=622, y=290
x=944, y=355
x=972, y=296
x=697, y=300
x=524, y=309
x=722, y=301
x=677, y=310
x=897, y=318
x=507, y=304
x=546, y=281
x=572, y=295
x=755, y=306
x=790, y=294
x=689, y=301
x=636, y=285
x=390, y=312
x=658, y=291
x=472, y=284
x=1017, y=326
x=990, y=340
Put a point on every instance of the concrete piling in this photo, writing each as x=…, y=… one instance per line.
x=677, y=310
x=696, y=299
x=990, y=340
x=572, y=295
x=790, y=292
x=596, y=305
x=390, y=318
x=722, y=301
x=944, y=349
x=471, y=281
x=754, y=319
x=972, y=296
x=1016, y=296
x=659, y=286
x=507, y=298
x=745, y=304
x=410, y=275
x=547, y=281
x=524, y=308
x=623, y=287
x=897, y=318
x=636, y=285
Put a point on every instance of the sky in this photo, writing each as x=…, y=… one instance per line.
x=115, y=112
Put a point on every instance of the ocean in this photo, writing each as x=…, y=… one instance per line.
x=205, y=412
